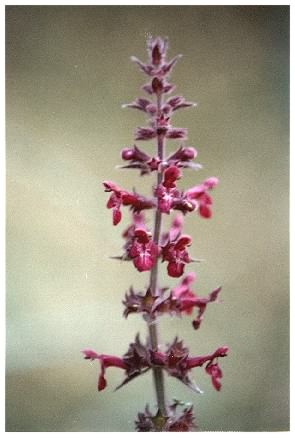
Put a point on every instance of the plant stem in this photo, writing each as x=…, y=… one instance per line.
x=153, y=332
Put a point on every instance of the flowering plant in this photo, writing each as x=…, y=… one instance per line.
x=146, y=248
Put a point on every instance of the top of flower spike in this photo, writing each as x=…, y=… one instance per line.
x=157, y=49
x=157, y=65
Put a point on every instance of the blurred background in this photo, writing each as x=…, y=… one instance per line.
x=68, y=72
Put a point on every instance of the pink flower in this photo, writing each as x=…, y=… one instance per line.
x=201, y=303
x=183, y=296
x=139, y=246
x=173, y=246
x=200, y=196
x=198, y=361
x=215, y=372
x=177, y=362
x=171, y=175
x=166, y=192
x=121, y=197
x=186, y=300
x=196, y=198
x=181, y=300
x=176, y=255
x=142, y=250
x=134, y=362
x=212, y=367
x=105, y=362
x=115, y=200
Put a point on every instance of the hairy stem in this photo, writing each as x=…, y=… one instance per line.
x=153, y=330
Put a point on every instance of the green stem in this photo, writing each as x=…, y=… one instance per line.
x=153, y=329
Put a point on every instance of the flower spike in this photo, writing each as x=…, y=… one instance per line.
x=147, y=244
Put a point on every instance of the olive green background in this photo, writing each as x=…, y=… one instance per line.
x=68, y=72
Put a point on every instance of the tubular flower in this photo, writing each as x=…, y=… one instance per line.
x=139, y=246
x=215, y=372
x=134, y=362
x=121, y=197
x=199, y=195
x=177, y=362
x=173, y=246
x=142, y=250
x=196, y=198
x=105, y=362
x=167, y=192
x=176, y=255
x=186, y=300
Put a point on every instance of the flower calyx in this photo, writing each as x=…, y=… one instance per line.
x=173, y=421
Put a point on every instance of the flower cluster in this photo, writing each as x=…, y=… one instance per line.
x=146, y=248
x=173, y=422
x=178, y=301
x=175, y=361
